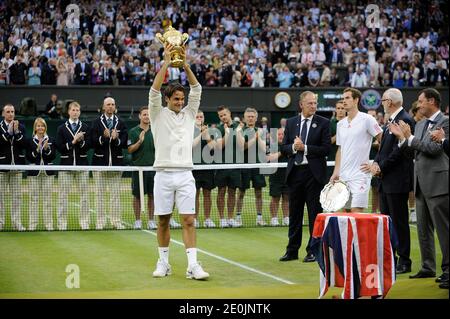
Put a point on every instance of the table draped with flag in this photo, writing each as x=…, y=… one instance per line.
x=355, y=251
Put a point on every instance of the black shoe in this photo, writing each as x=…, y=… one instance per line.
x=442, y=278
x=423, y=274
x=288, y=256
x=403, y=269
x=444, y=285
x=309, y=258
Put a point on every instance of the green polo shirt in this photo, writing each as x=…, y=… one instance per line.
x=248, y=134
x=231, y=141
x=197, y=151
x=145, y=155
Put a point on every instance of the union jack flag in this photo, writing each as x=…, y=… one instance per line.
x=355, y=251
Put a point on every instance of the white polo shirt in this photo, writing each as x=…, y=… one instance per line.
x=355, y=139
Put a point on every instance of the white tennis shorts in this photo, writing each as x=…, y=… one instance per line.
x=174, y=187
x=359, y=193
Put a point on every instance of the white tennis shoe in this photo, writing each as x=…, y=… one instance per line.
x=138, y=224
x=162, y=269
x=174, y=224
x=223, y=223
x=274, y=222
x=286, y=221
x=234, y=223
x=260, y=221
x=196, y=272
x=208, y=223
x=151, y=225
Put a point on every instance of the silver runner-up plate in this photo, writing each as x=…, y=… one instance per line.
x=334, y=196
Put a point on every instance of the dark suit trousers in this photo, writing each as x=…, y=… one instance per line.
x=396, y=206
x=303, y=188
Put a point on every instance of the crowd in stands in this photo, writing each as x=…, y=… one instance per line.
x=231, y=43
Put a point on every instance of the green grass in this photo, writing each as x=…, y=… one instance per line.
x=118, y=264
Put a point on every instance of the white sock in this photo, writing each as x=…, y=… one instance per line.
x=164, y=254
x=192, y=256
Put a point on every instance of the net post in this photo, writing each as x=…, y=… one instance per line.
x=141, y=190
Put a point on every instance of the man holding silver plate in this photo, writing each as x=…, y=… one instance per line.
x=354, y=139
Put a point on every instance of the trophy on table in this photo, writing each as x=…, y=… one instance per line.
x=177, y=40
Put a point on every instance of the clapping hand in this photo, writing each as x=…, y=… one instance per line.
x=142, y=137
x=46, y=145
x=395, y=129
x=114, y=134
x=298, y=144
x=437, y=135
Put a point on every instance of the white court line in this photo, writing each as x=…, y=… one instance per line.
x=215, y=256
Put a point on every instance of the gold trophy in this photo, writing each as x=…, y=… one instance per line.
x=177, y=40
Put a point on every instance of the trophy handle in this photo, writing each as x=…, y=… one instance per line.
x=185, y=38
x=160, y=38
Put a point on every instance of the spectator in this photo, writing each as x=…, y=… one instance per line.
x=270, y=76
x=334, y=78
x=17, y=71
x=398, y=78
x=34, y=73
x=107, y=73
x=63, y=72
x=285, y=78
x=313, y=76
x=82, y=71
x=325, y=79
x=211, y=77
x=41, y=150
x=49, y=71
x=123, y=74
x=318, y=57
x=258, y=78
x=95, y=74
x=359, y=79
x=12, y=152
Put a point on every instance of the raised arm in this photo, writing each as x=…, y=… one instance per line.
x=159, y=78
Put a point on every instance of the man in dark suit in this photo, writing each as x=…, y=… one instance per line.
x=396, y=171
x=73, y=142
x=82, y=71
x=12, y=152
x=109, y=138
x=430, y=183
x=306, y=143
x=74, y=49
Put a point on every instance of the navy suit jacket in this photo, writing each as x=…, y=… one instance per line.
x=12, y=146
x=318, y=142
x=46, y=156
x=106, y=147
x=69, y=151
x=397, y=167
